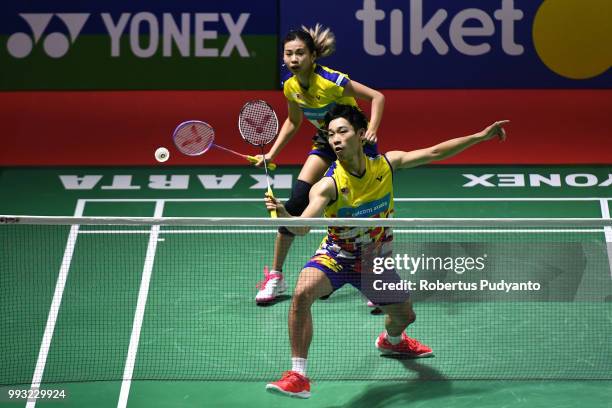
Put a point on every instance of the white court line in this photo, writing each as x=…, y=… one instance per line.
x=140, y=309
x=494, y=199
x=55, y=304
x=399, y=199
x=395, y=231
x=605, y=213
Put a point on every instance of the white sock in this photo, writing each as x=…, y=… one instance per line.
x=393, y=339
x=298, y=364
x=274, y=271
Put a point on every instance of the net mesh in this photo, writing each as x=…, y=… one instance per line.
x=200, y=321
x=194, y=137
x=258, y=123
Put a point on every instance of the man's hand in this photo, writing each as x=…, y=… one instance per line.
x=273, y=203
x=495, y=130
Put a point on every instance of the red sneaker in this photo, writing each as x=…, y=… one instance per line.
x=408, y=346
x=291, y=383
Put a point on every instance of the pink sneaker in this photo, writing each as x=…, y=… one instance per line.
x=291, y=383
x=272, y=286
x=408, y=346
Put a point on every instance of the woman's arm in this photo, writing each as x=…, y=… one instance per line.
x=377, y=99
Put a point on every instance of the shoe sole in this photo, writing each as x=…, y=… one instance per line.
x=264, y=301
x=277, y=390
x=391, y=352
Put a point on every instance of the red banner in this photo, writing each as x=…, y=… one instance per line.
x=125, y=128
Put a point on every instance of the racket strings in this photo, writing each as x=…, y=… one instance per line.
x=258, y=123
x=194, y=138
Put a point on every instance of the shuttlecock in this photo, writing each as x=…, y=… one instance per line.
x=162, y=154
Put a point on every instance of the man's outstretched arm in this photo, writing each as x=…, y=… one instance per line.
x=444, y=150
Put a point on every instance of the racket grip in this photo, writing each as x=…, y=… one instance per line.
x=273, y=212
x=253, y=159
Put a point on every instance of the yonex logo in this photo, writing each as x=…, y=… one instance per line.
x=537, y=180
x=192, y=34
x=56, y=45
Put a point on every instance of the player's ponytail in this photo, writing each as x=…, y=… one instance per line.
x=324, y=40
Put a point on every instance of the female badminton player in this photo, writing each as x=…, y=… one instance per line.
x=312, y=91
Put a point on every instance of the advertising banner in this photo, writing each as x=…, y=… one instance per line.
x=138, y=45
x=392, y=44
x=126, y=127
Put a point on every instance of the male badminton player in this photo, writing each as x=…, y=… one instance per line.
x=311, y=91
x=353, y=186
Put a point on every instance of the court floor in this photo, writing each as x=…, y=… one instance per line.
x=100, y=322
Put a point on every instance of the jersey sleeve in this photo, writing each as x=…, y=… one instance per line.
x=334, y=81
x=338, y=86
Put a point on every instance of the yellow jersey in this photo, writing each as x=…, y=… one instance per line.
x=324, y=92
x=368, y=196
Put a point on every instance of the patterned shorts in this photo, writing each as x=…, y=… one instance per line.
x=355, y=272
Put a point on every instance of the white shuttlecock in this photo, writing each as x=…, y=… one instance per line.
x=162, y=154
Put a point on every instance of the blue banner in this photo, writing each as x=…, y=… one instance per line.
x=139, y=45
x=102, y=17
x=465, y=44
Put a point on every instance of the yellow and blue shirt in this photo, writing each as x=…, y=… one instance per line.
x=368, y=196
x=325, y=90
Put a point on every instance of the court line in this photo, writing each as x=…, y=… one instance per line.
x=398, y=199
x=605, y=213
x=140, y=309
x=395, y=231
x=55, y=303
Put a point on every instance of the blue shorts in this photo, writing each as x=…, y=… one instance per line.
x=341, y=271
x=320, y=147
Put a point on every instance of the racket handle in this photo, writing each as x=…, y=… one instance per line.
x=273, y=212
x=253, y=159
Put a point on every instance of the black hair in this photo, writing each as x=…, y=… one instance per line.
x=319, y=41
x=351, y=113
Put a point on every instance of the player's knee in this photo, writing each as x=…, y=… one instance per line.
x=285, y=231
x=303, y=296
x=298, y=201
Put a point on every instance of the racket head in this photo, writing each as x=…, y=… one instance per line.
x=193, y=137
x=257, y=123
